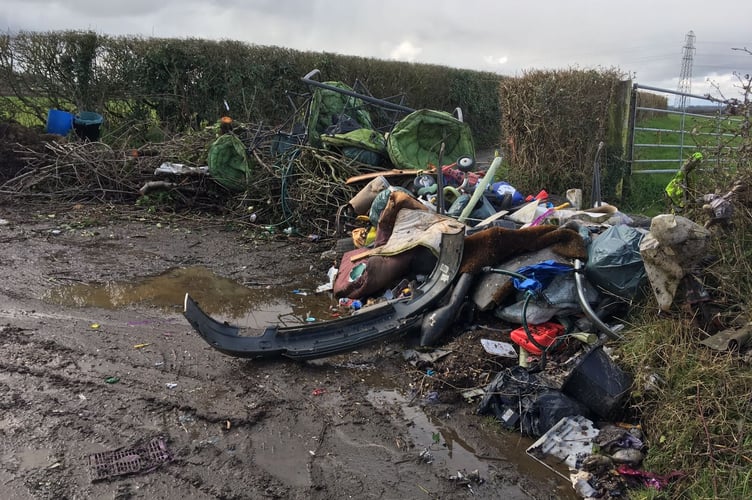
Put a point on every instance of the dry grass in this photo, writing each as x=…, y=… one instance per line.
x=552, y=123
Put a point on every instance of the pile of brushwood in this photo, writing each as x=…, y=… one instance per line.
x=14, y=136
x=300, y=190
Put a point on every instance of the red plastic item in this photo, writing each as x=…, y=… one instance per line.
x=542, y=195
x=458, y=176
x=544, y=334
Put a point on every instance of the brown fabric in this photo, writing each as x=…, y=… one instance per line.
x=397, y=201
x=380, y=273
x=497, y=244
x=342, y=283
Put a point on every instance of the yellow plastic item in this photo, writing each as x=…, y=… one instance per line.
x=363, y=237
x=371, y=236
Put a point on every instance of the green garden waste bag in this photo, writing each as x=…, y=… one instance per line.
x=415, y=141
x=364, y=145
x=228, y=162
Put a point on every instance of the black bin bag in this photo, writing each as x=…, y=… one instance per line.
x=614, y=261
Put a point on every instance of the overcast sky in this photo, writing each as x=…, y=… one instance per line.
x=644, y=39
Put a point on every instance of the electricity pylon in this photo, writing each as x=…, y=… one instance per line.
x=685, y=78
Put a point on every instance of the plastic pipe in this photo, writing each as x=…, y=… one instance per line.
x=367, y=98
x=479, y=189
x=578, y=268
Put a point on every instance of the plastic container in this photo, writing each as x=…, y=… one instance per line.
x=59, y=122
x=599, y=384
x=501, y=188
x=87, y=125
x=544, y=334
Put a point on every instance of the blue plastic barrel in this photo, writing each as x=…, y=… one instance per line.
x=59, y=122
x=87, y=124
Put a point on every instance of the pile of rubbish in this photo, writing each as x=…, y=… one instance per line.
x=434, y=244
x=434, y=248
x=555, y=279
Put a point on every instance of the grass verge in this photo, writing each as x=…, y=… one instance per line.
x=695, y=403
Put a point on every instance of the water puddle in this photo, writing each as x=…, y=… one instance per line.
x=222, y=298
x=444, y=446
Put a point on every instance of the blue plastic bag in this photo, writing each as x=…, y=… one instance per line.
x=539, y=275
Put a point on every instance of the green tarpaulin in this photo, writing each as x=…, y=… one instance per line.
x=365, y=145
x=415, y=141
x=228, y=163
x=328, y=107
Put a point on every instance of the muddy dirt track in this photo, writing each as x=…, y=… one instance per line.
x=340, y=427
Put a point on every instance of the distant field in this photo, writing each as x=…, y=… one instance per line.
x=12, y=108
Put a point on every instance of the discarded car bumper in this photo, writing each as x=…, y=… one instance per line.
x=319, y=340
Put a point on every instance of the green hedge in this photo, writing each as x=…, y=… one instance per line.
x=547, y=122
x=181, y=84
x=552, y=122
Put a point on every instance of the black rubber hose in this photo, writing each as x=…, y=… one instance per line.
x=528, y=296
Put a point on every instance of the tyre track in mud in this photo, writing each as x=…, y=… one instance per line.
x=198, y=431
x=71, y=381
x=67, y=383
x=337, y=438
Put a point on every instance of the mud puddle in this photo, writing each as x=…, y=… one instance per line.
x=434, y=441
x=439, y=443
x=222, y=298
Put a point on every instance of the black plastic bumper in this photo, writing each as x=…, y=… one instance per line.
x=319, y=340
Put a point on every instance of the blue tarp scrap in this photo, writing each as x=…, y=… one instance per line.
x=539, y=275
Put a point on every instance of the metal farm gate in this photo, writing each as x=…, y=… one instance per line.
x=661, y=139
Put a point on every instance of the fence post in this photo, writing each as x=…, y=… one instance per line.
x=617, y=140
